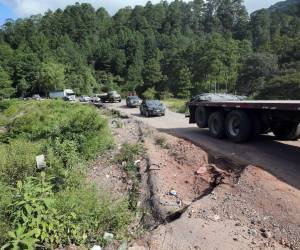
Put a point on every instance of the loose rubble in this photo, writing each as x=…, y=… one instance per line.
x=201, y=201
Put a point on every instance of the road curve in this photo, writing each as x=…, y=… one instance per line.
x=281, y=159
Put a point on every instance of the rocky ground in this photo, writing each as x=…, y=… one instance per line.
x=189, y=199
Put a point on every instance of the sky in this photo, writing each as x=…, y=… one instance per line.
x=24, y=8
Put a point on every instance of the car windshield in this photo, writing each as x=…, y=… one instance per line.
x=133, y=97
x=113, y=93
x=153, y=103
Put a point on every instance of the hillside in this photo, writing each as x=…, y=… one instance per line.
x=286, y=6
x=178, y=48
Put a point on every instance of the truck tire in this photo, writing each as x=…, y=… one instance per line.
x=201, y=117
x=286, y=131
x=216, y=125
x=238, y=126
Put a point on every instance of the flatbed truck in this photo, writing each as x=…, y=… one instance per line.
x=241, y=121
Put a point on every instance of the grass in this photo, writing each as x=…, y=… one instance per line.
x=162, y=142
x=176, y=105
x=129, y=153
x=55, y=206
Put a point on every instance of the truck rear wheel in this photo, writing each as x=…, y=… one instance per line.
x=238, y=126
x=216, y=124
x=286, y=131
x=201, y=117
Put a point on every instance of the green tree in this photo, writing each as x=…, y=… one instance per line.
x=260, y=24
x=285, y=87
x=184, y=83
x=22, y=87
x=52, y=77
x=216, y=63
x=150, y=94
x=6, y=89
x=134, y=76
x=152, y=72
x=81, y=80
x=255, y=70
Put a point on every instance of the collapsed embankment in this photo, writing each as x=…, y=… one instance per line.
x=193, y=199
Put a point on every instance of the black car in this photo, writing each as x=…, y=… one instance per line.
x=152, y=108
x=133, y=101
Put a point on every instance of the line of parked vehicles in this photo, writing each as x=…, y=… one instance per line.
x=147, y=107
x=111, y=96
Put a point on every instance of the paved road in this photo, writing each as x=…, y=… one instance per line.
x=282, y=159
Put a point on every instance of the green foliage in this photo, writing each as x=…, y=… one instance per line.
x=162, y=142
x=152, y=72
x=185, y=83
x=33, y=216
x=147, y=46
x=176, y=105
x=95, y=213
x=150, y=93
x=41, y=217
x=62, y=208
x=129, y=152
x=286, y=87
x=52, y=77
x=17, y=160
x=255, y=70
x=6, y=89
x=78, y=123
x=127, y=156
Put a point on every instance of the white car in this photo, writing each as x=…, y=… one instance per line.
x=95, y=98
x=84, y=98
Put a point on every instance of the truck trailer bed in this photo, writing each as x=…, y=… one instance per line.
x=241, y=120
x=261, y=104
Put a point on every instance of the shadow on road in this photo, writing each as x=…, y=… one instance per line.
x=280, y=159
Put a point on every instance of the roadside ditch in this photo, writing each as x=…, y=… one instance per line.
x=180, y=184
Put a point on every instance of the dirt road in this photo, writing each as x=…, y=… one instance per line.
x=281, y=159
x=194, y=198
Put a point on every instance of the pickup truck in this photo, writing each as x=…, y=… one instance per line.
x=111, y=96
x=241, y=120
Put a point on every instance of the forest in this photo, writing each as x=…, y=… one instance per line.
x=174, y=49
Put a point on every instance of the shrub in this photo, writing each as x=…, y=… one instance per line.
x=150, y=93
x=17, y=160
x=127, y=155
x=129, y=152
x=95, y=213
x=176, y=105
x=35, y=219
x=63, y=209
x=5, y=201
x=161, y=141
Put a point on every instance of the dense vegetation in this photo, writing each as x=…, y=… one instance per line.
x=55, y=206
x=175, y=48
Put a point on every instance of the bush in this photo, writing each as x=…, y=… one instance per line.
x=95, y=213
x=62, y=209
x=5, y=201
x=41, y=217
x=176, y=105
x=35, y=219
x=129, y=152
x=127, y=156
x=150, y=94
x=17, y=160
x=162, y=142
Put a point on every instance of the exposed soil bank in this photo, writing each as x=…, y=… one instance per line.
x=190, y=199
